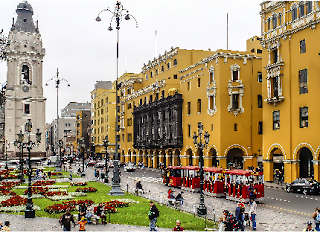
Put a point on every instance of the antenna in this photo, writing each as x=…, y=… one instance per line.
x=156, y=43
x=227, y=32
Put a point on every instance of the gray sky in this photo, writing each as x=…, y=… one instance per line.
x=85, y=51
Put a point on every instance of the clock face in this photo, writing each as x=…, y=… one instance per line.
x=25, y=88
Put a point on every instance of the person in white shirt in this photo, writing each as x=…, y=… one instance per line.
x=252, y=212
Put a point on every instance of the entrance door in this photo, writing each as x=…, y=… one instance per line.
x=306, y=163
x=234, y=158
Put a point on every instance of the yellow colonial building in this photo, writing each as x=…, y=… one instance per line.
x=161, y=107
x=291, y=88
x=103, y=101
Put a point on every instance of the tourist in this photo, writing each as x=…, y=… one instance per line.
x=178, y=226
x=153, y=215
x=66, y=219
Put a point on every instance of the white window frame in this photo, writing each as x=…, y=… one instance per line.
x=211, y=92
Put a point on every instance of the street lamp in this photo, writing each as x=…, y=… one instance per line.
x=118, y=14
x=202, y=209
x=106, y=144
x=19, y=144
x=82, y=146
x=58, y=80
x=30, y=212
x=7, y=146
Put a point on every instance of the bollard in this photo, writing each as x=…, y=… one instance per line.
x=127, y=188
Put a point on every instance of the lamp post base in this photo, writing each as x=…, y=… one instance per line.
x=116, y=190
x=202, y=210
x=106, y=180
x=29, y=213
x=83, y=174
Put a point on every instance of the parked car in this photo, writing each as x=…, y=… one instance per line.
x=100, y=164
x=91, y=163
x=304, y=185
x=130, y=167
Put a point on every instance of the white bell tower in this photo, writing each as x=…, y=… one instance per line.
x=24, y=94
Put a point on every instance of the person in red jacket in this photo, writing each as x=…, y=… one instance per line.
x=178, y=226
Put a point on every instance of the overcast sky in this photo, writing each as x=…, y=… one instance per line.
x=85, y=51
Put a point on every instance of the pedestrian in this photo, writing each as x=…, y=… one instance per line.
x=170, y=194
x=240, y=216
x=1, y=226
x=252, y=212
x=153, y=215
x=82, y=224
x=309, y=226
x=49, y=174
x=226, y=220
x=95, y=173
x=82, y=210
x=98, y=175
x=66, y=219
x=101, y=213
x=314, y=216
x=317, y=219
x=178, y=226
x=6, y=226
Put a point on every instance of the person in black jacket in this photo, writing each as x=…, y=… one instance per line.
x=66, y=219
x=227, y=221
x=153, y=215
x=82, y=211
x=101, y=213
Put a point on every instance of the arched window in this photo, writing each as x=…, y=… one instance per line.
x=274, y=21
x=294, y=12
x=25, y=74
x=301, y=9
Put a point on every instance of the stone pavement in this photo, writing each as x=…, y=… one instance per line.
x=267, y=219
x=19, y=223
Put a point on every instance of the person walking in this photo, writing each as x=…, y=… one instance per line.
x=101, y=213
x=153, y=215
x=252, y=212
x=316, y=217
x=6, y=226
x=178, y=226
x=239, y=215
x=66, y=219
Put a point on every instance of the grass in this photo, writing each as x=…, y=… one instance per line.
x=135, y=214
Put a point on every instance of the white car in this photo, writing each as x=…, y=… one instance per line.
x=130, y=168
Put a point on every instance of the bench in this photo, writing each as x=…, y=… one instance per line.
x=174, y=202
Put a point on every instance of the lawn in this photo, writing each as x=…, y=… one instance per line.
x=135, y=214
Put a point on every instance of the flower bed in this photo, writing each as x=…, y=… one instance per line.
x=10, y=184
x=77, y=194
x=14, y=201
x=33, y=196
x=78, y=183
x=37, y=190
x=87, y=190
x=55, y=193
x=19, y=208
x=60, y=197
x=7, y=192
x=116, y=203
x=56, y=173
x=60, y=208
x=43, y=183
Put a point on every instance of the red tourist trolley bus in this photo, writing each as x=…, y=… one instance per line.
x=174, y=176
x=213, y=181
x=191, y=178
x=238, y=182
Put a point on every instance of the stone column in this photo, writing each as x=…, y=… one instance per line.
x=222, y=161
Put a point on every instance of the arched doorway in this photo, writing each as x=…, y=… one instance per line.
x=306, y=163
x=189, y=153
x=177, y=153
x=213, y=162
x=277, y=158
x=235, y=158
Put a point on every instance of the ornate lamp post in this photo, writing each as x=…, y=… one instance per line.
x=106, y=144
x=82, y=146
x=19, y=144
x=30, y=212
x=118, y=14
x=58, y=80
x=7, y=146
x=202, y=209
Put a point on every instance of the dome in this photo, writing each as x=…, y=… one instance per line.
x=24, y=21
x=24, y=6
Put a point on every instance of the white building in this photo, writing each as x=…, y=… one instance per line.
x=24, y=95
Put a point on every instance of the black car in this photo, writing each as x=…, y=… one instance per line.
x=304, y=185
